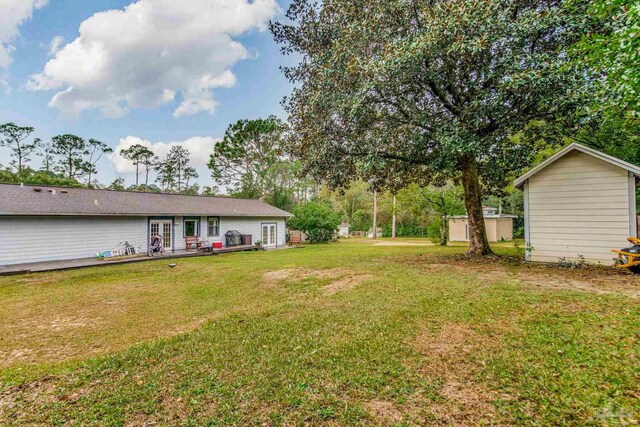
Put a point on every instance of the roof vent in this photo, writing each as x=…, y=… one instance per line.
x=95, y=202
x=52, y=191
x=37, y=190
x=64, y=191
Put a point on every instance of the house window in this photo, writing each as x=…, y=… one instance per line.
x=213, y=225
x=191, y=227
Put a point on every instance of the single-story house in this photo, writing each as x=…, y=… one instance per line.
x=343, y=229
x=579, y=203
x=40, y=223
x=499, y=226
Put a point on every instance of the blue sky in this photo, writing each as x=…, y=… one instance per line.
x=245, y=84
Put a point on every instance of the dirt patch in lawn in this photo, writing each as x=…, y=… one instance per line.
x=454, y=358
x=384, y=412
x=340, y=279
x=583, y=281
x=597, y=280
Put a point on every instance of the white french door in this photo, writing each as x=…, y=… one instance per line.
x=165, y=229
x=268, y=234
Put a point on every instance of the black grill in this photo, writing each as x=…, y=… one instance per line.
x=233, y=237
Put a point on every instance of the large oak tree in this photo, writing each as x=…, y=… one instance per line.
x=425, y=91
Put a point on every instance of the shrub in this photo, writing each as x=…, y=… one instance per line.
x=435, y=231
x=317, y=220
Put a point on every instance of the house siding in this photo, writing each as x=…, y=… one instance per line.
x=25, y=239
x=32, y=239
x=578, y=206
x=252, y=226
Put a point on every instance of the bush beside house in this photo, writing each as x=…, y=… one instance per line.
x=317, y=220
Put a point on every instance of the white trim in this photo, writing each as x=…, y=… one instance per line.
x=595, y=153
x=633, y=219
x=527, y=231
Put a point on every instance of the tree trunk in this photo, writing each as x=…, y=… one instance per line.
x=478, y=242
x=137, y=174
x=393, y=219
x=19, y=161
x=444, y=231
x=374, y=229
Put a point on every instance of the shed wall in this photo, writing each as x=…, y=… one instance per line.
x=578, y=205
x=457, y=230
x=497, y=229
x=504, y=229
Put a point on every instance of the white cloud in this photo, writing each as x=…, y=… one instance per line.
x=14, y=13
x=55, y=45
x=150, y=53
x=199, y=147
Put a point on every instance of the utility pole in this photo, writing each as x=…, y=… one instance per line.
x=393, y=219
x=374, y=234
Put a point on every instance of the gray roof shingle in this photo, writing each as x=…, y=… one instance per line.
x=27, y=200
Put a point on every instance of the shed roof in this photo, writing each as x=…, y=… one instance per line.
x=578, y=147
x=44, y=200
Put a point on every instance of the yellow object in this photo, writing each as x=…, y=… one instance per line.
x=627, y=259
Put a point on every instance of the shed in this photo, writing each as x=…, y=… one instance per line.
x=579, y=203
x=343, y=229
x=499, y=227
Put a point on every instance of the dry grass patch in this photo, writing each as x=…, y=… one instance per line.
x=340, y=279
x=591, y=279
x=454, y=357
x=384, y=412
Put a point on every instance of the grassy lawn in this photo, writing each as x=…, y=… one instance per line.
x=341, y=334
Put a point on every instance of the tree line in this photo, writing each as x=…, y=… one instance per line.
x=69, y=160
x=66, y=159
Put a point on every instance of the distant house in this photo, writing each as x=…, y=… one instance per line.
x=499, y=227
x=370, y=232
x=579, y=203
x=343, y=229
x=39, y=223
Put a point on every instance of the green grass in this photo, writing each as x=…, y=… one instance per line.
x=342, y=334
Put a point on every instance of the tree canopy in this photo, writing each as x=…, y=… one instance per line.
x=14, y=137
x=247, y=155
x=612, y=48
x=138, y=154
x=411, y=91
